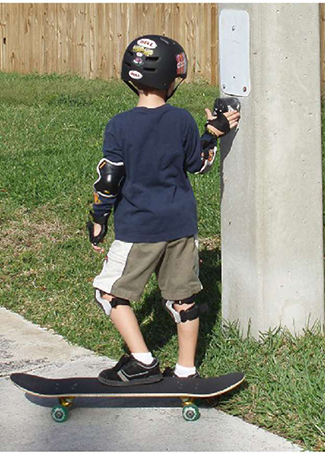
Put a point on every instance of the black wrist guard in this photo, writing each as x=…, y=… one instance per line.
x=102, y=220
x=221, y=106
x=221, y=123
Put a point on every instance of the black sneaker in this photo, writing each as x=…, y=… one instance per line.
x=168, y=372
x=129, y=371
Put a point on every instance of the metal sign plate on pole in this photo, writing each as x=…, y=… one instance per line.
x=234, y=52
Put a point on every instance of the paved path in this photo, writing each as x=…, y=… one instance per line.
x=102, y=424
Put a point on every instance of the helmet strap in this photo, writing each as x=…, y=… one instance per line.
x=131, y=86
x=173, y=92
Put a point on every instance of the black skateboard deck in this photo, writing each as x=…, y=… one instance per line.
x=67, y=389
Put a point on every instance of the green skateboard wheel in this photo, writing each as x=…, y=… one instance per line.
x=59, y=413
x=191, y=412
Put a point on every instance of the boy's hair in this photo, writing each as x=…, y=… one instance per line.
x=142, y=87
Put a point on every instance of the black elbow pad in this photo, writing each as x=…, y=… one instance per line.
x=111, y=175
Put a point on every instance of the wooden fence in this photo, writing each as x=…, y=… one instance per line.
x=89, y=38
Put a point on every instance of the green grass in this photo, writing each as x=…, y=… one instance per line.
x=51, y=130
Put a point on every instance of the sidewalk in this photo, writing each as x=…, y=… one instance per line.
x=103, y=424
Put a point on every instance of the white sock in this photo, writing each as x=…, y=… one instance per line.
x=145, y=358
x=183, y=372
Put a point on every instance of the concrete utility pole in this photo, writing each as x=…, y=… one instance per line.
x=272, y=217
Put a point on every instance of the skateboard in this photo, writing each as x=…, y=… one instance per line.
x=67, y=389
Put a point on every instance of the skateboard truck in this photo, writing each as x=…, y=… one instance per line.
x=60, y=412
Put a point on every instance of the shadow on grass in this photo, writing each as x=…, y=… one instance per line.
x=159, y=328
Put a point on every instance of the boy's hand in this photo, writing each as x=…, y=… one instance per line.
x=232, y=119
x=97, y=230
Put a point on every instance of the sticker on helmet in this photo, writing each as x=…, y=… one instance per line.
x=138, y=61
x=142, y=50
x=147, y=43
x=181, y=64
x=135, y=75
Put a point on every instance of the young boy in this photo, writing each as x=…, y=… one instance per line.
x=148, y=151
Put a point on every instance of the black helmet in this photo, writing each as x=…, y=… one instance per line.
x=154, y=61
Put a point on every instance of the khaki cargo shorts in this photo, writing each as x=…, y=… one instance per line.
x=128, y=267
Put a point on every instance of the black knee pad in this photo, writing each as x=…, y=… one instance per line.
x=189, y=314
x=106, y=305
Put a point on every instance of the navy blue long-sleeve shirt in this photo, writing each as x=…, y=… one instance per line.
x=158, y=147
